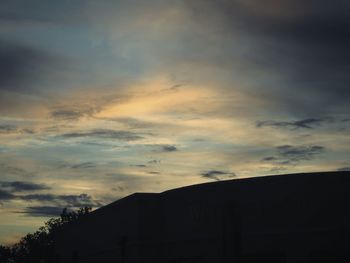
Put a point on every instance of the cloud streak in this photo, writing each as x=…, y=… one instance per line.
x=62, y=200
x=9, y=129
x=19, y=186
x=105, y=134
x=217, y=175
x=344, y=169
x=169, y=148
x=40, y=211
x=310, y=123
x=288, y=154
x=5, y=195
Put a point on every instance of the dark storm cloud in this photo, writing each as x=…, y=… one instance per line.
x=298, y=48
x=217, y=174
x=21, y=65
x=18, y=186
x=288, y=154
x=310, y=123
x=49, y=211
x=107, y=134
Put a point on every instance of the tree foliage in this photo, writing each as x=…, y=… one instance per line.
x=38, y=246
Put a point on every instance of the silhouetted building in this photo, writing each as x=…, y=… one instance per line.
x=289, y=218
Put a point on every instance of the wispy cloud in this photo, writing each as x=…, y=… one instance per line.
x=6, y=195
x=66, y=114
x=7, y=128
x=62, y=200
x=288, y=154
x=70, y=113
x=13, y=170
x=40, y=211
x=19, y=186
x=300, y=124
x=217, y=175
x=13, y=129
x=169, y=148
x=84, y=165
x=105, y=134
x=344, y=169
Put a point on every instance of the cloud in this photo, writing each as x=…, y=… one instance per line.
x=154, y=161
x=63, y=200
x=66, y=114
x=139, y=165
x=18, y=186
x=84, y=165
x=12, y=170
x=169, y=148
x=277, y=170
x=153, y=172
x=288, y=150
x=217, y=174
x=270, y=158
x=296, y=51
x=5, y=129
x=106, y=134
x=310, y=123
x=135, y=123
x=37, y=12
x=161, y=148
x=12, y=129
x=5, y=195
x=22, y=66
x=287, y=154
x=344, y=169
x=49, y=211
x=72, y=113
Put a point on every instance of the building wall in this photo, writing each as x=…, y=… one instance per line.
x=291, y=218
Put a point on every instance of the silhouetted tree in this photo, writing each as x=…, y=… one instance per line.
x=38, y=247
x=5, y=254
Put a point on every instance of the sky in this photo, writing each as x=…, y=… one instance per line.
x=101, y=99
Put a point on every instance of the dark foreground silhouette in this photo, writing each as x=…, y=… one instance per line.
x=287, y=218
x=39, y=246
